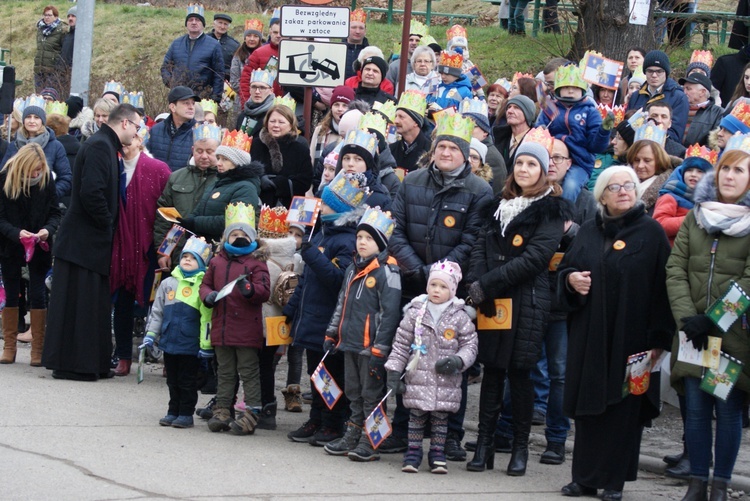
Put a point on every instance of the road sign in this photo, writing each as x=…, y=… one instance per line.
x=319, y=64
x=311, y=22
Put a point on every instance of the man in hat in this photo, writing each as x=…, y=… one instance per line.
x=195, y=60
x=356, y=41
x=228, y=44
x=414, y=142
x=703, y=114
x=416, y=31
x=171, y=141
x=66, y=54
x=373, y=72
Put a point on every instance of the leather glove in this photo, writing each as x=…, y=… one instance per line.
x=476, y=293
x=449, y=365
x=266, y=184
x=696, y=329
x=329, y=345
x=377, y=366
x=246, y=288
x=395, y=383
x=206, y=353
x=210, y=300
x=609, y=121
x=187, y=222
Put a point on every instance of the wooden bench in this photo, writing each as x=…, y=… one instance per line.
x=427, y=13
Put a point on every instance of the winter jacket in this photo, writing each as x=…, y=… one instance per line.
x=705, y=120
x=326, y=258
x=179, y=320
x=727, y=72
x=452, y=334
x=406, y=156
x=228, y=47
x=48, y=49
x=354, y=81
x=451, y=94
x=371, y=96
x=66, y=52
x=496, y=162
x=503, y=135
x=237, y=320
x=173, y=151
x=424, y=84
x=691, y=268
x=669, y=215
x=258, y=60
x=673, y=95
x=57, y=161
x=516, y=266
x=241, y=184
x=367, y=313
x=352, y=52
x=200, y=68
x=580, y=127
x=277, y=253
x=287, y=164
x=435, y=221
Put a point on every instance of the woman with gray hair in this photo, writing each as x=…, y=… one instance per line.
x=612, y=280
x=424, y=77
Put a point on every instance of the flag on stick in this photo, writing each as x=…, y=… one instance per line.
x=304, y=210
x=326, y=385
x=599, y=70
x=377, y=426
x=728, y=308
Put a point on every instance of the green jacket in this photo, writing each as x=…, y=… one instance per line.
x=48, y=48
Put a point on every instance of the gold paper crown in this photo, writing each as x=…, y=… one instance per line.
x=115, y=87
x=637, y=119
x=619, y=112
x=518, y=75
x=195, y=8
x=237, y=139
x=133, y=98
x=273, y=221
x=358, y=16
x=451, y=59
x=198, y=246
x=210, y=105
x=738, y=142
x=475, y=106
x=363, y=139
x=702, y=56
x=57, y=107
x=373, y=121
x=417, y=28
x=651, y=132
x=239, y=213
x=206, y=131
x=34, y=100
x=455, y=125
x=388, y=109
x=741, y=112
x=379, y=220
x=347, y=189
x=455, y=31
x=414, y=101
x=699, y=151
x=254, y=24
x=570, y=76
x=540, y=135
x=263, y=76
x=287, y=101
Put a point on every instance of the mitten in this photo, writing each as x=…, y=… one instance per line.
x=696, y=329
x=148, y=339
x=395, y=383
x=210, y=300
x=246, y=287
x=206, y=353
x=449, y=365
x=377, y=366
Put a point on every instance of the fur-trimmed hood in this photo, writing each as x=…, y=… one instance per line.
x=713, y=139
x=543, y=210
x=706, y=191
x=274, y=147
x=278, y=249
x=457, y=303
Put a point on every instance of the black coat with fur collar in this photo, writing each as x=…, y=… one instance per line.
x=516, y=266
x=288, y=167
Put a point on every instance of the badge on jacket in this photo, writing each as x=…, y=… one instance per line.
x=449, y=334
x=370, y=282
x=618, y=245
x=517, y=241
x=449, y=221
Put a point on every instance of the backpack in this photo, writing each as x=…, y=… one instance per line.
x=285, y=284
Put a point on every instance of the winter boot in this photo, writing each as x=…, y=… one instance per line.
x=364, y=451
x=719, y=489
x=207, y=411
x=436, y=458
x=220, y=420
x=246, y=423
x=38, y=328
x=267, y=418
x=697, y=490
x=484, y=456
x=123, y=367
x=342, y=446
x=183, y=422
x=10, y=333
x=412, y=460
x=292, y=398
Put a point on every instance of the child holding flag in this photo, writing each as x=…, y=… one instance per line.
x=434, y=344
x=363, y=327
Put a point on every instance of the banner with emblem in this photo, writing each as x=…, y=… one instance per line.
x=502, y=320
x=304, y=210
x=719, y=382
x=377, y=426
x=727, y=309
x=601, y=71
x=326, y=385
x=170, y=240
x=277, y=331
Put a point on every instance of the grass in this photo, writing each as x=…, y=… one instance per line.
x=130, y=41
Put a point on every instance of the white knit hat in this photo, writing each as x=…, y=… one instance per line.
x=234, y=155
x=480, y=148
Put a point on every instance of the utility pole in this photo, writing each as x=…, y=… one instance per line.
x=81, y=76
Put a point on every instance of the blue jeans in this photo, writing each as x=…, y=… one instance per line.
x=698, y=433
x=556, y=346
x=573, y=182
x=515, y=16
x=540, y=377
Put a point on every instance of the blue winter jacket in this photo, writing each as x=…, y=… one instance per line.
x=579, y=126
x=202, y=68
x=452, y=94
x=672, y=94
x=174, y=151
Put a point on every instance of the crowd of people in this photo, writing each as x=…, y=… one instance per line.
x=558, y=237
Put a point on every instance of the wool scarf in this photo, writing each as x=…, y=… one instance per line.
x=507, y=210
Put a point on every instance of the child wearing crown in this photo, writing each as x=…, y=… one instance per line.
x=236, y=323
x=179, y=321
x=454, y=86
x=363, y=326
x=435, y=342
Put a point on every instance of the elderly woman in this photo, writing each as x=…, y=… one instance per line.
x=50, y=32
x=424, y=77
x=621, y=246
x=496, y=97
x=102, y=108
x=710, y=252
x=653, y=167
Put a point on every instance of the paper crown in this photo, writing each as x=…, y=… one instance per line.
x=475, y=106
x=358, y=16
x=455, y=31
x=450, y=268
x=651, y=132
x=504, y=83
x=333, y=157
x=618, y=111
x=263, y=76
x=195, y=8
x=254, y=24
x=348, y=189
x=570, y=76
x=18, y=105
x=738, y=142
x=276, y=14
x=702, y=56
x=388, y=109
x=540, y=135
x=427, y=40
x=637, y=119
x=379, y=220
x=209, y=105
x=144, y=132
x=417, y=28
x=273, y=221
x=115, y=87
x=451, y=59
x=287, y=101
x=455, y=125
x=373, y=121
x=699, y=151
x=239, y=213
x=741, y=111
x=133, y=98
x=414, y=101
x=34, y=100
x=362, y=139
x=237, y=139
x=518, y=75
x=203, y=131
x=199, y=247
x=57, y=107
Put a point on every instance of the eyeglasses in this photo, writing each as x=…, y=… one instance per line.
x=258, y=88
x=657, y=71
x=557, y=159
x=137, y=127
x=614, y=188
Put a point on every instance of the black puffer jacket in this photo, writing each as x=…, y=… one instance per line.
x=516, y=266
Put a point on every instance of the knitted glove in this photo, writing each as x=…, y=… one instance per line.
x=609, y=121
x=206, y=354
x=696, y=329
x=187, y=222
x=476, y=293
x=377, y=366
x=210, y=300
x=449, y=365
x=246, y=288
x=149, y=339
x=329, y=345
x=395, y=383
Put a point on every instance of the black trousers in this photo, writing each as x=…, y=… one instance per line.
x=319, y=412
x=182, y=381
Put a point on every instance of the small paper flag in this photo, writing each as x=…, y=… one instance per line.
x=719, y=382
x=277, y=331
x=170, y=240
x=599, y=70
x=326, y=385
x=475, y=77
x=377, y=426
x=304, y=210
x=155, y=286
x=728, y=308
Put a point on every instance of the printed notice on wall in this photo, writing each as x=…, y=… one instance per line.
x=639, y=10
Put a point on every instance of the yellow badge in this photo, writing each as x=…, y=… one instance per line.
x=517, y=241
x=598, y=164
x=216, y=195
x=554, y=263
x=449, y=221
x=170, y=295
x=370, y=282
x=186, y=291
x=449, y=334
x=618, y=245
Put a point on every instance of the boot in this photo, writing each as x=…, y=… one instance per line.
x=522, y=397
x=682, y=469
x=123, y=367
x=38, y=328
x=518, y=459
x=719, y=489
x=673, y=459
x=220, y=420
x=554, y=454
x=484, y=456
x=342, y=446
x=292, y=398
x=10, y=333
x=245, y=424
x=267, y=418
x=697, y=490
x=490, y=400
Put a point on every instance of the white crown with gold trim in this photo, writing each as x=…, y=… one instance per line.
x=56, y=107
x=18, y=105
x=199, y=247
x=379, y=220
x=263, y=76
x=203, y=131
x=738, y=142
x=287, y=101
x=133, y=98
x=651, y=132
x=195, y=8
x=362, y=139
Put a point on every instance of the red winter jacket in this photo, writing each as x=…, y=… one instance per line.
x=353, y=82
x=258, y=59
x=669, y=215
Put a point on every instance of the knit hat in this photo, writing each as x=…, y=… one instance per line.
x=75, y=105
x=349, y=121
x=50, y=92
x=345, y=192
x=378, y=224
x=73, y=11
x=342, y=94
x=35, y=110
x=626, y=132
x=480, y=148
x=447, y=271
x=657, y=58
x=526, y=105
x=536, y=150
x=195, y=10
x=234, y=155
x=240, y=216
x=377, y=61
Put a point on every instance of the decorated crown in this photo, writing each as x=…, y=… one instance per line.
x=57, y=107
x=34, y=100
x=254, y=24
x=540, y=135
x=451, y=59
x=195, y=8
x=373, y=121
x=358, y=16
x=362, y=139
x=639, y=74
x=333, y=157
x=388, y=109
x=455, y=125
x=618, y=111
x=449, y=268
x=455, y=31
x=115, y=87
x=414, y=101
x=239, y=213
x=144, y=132
x=475, y=106
x=273, y=221
x=199, y=247
x=287, y=101
x=263, y=76
x=237, y=139
x=427, y=40
x=570, y=76
x=738, y=142
x=504, y=83
x=133, y=98
x=209, y=105
x=637, y=119
x=702, y=56
x=741, y=111
x=518, y=75
x=417, y=28
x=699, y=151
x=349, y=188
x=379, y=220
x=651, y=132
x=18, y=104
x=206, y=131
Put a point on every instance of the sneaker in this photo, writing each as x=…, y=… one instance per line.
x=207, y=411
x=221, y=420
x=412, y=460
x=453, y=449
x=436, y=459
x=183, y=422
x=393, y=445
x=304, y=433
x=245, y=424
x=167, y=420
x=344, y=445
x=539, y=418
x=307, y=397
x=364, y=452
x=325, y=435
